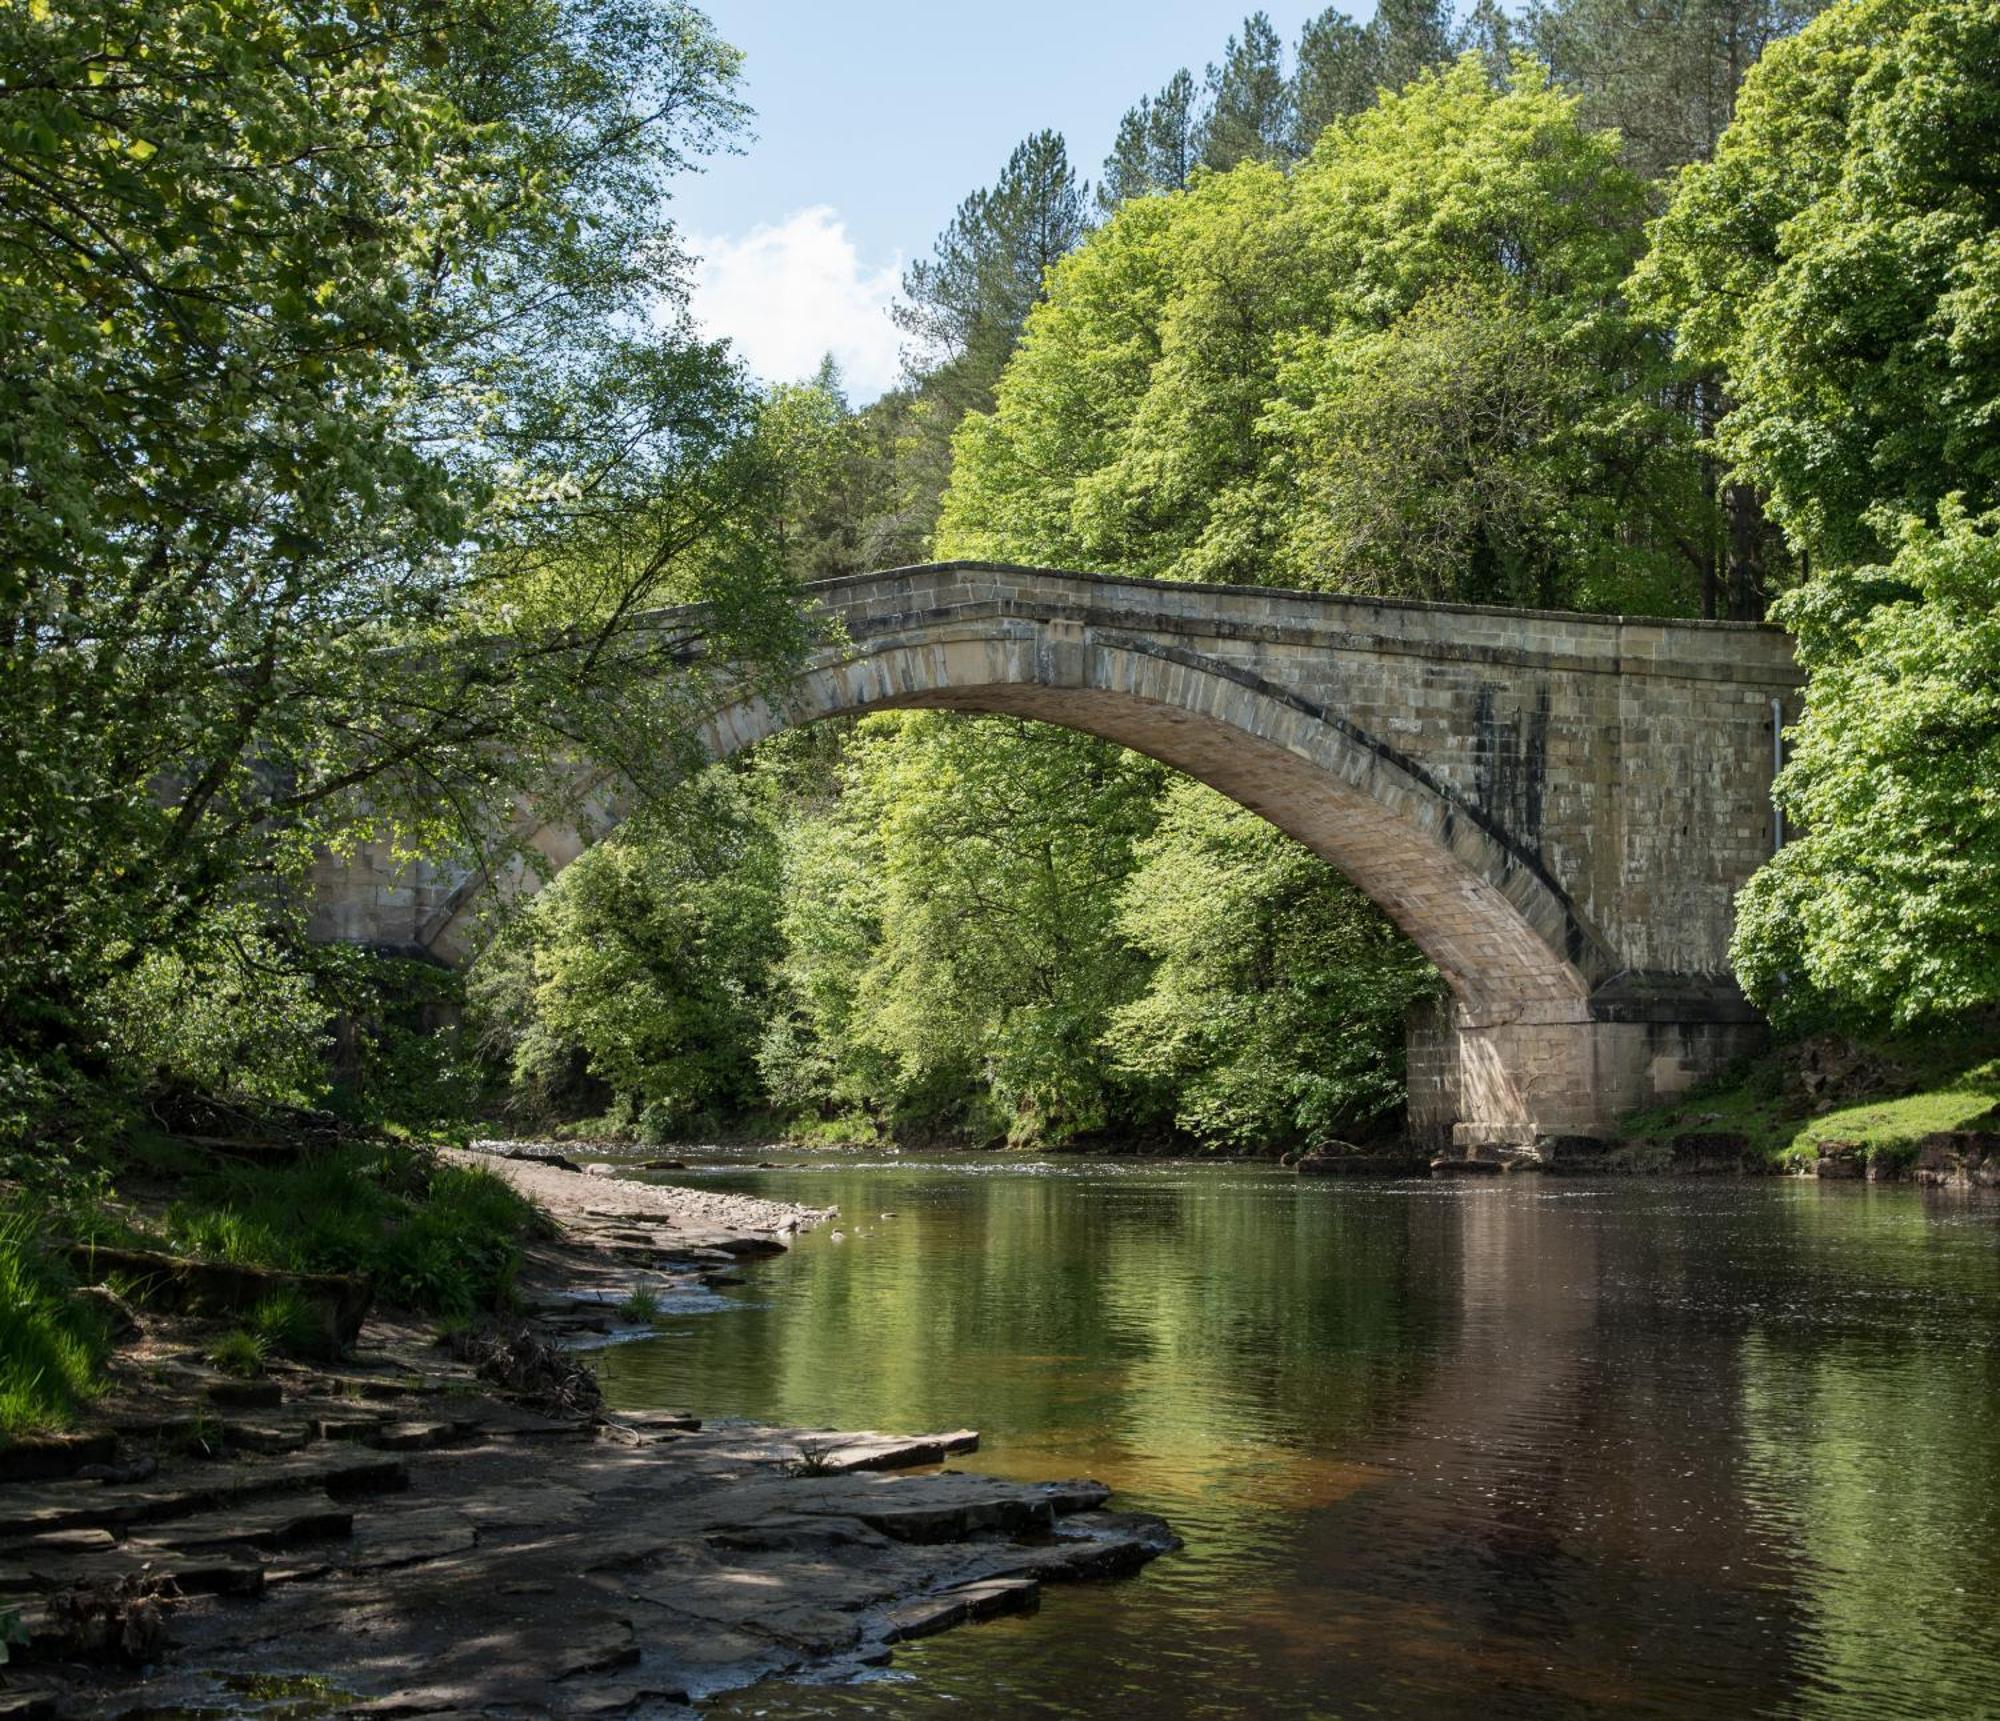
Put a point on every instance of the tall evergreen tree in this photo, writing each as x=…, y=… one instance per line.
x=1250, y=100
x=963, y=309
x=1341, y=65
x=1411, y=36
x=1491, y=33
x=1664, y=75
x=1158, y=144
x=1335, y=75
x=965, y=304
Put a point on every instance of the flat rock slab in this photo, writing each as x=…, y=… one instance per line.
x=516, y=1579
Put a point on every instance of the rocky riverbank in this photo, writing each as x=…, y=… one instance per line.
x=434, y=1528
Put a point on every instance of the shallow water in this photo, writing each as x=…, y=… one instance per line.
x=1438, y=1449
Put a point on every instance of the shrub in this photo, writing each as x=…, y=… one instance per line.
x=286, y=1323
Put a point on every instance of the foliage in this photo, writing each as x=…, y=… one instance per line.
x=285, y=1324
x=1157, y=146
x=441, y=1239
x=1250, y=106
x=1249, y=102
x=648, y=961
x=642, y=1307
x=1275, y=1013
x=1838, y=262
x=1939, y=1079
x=1265, y=379
x=965, y=304
x=951, y=948
x=50, y=1346
x=221, y=1012
x=341, y=459
x=241, y=1353
x=1881, y=907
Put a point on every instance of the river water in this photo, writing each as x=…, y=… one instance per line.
x=1438, y=1449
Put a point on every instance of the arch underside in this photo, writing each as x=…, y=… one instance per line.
x=1507, y=941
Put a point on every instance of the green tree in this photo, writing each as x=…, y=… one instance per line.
x=964, y=307
x=1275, y=1013
x=1337, y=73
x=1405, y=367
x=1411, y=37
x=342, y=460
x=952, y=951
x=1341, y=66
x=650, y=957
x=1882, y=906
x=1837, y=264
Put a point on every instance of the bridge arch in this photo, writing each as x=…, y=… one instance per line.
x=1496, y=927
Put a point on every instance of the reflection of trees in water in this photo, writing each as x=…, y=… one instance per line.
x=1495, y=1450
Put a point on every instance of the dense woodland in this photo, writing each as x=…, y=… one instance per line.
x=353, y=414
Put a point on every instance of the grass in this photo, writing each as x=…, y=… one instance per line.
x=242, y=1354
x=642, y=1307
x=439, y=1239
x=51, y=1347
x=1945, y=1081
x=287, y=1325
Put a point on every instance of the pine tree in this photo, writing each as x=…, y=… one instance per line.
x=1411, y=37
x=1250, y=102
x=1489, y=32
x=965, y=305
x=1336, y=76
x=1663, y=75
x=1157, y=145
x=963, y=309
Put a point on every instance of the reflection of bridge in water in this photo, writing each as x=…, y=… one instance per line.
x=1558, y=809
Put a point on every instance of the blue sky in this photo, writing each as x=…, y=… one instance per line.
x=875, y=117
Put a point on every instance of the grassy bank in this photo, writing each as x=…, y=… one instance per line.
x=436, y=1239
x=52, y=1345
x=1883, y=1094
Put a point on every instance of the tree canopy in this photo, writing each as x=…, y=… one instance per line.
x=1406, y=366
x=351, y=416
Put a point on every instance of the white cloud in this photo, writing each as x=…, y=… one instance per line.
x=788, y=295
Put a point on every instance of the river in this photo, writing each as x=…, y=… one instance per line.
x=1438, y=1449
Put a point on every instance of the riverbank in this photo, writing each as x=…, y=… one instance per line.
x=461, y=1527
x=1912, y=1108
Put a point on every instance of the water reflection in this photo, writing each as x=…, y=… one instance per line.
x=1438, y=1450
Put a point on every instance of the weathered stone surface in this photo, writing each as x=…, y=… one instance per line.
x=1959, y=1158
x=246, y=1394
x=502, y=1577
x=1558, y=808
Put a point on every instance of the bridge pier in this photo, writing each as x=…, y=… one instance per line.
x=1488, y=1080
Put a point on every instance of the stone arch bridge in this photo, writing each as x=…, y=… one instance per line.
x=1558, y=809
